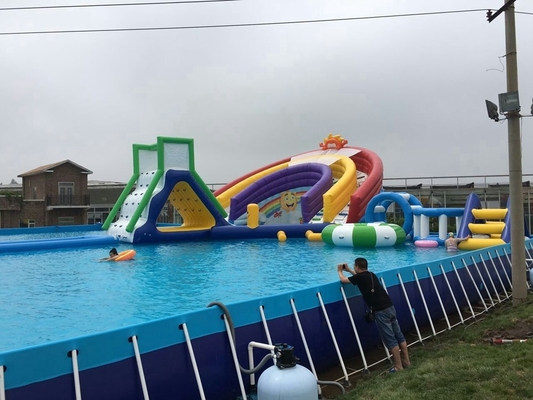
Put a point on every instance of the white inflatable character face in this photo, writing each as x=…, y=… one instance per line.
x=288, y=201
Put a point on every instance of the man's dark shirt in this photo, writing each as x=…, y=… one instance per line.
x=380, y=300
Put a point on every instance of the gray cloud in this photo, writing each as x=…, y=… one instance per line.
x=410, y=89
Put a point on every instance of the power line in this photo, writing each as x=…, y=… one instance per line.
x=167, y=28
x=158, y=3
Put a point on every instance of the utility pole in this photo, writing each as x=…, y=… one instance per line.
x=516, y=203
x=515, y=165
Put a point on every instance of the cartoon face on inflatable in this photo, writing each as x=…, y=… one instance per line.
x=288, y=201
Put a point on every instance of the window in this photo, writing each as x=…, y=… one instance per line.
x=66, y=190
x=65, y=220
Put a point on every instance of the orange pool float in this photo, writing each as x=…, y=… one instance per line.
x=125, y=255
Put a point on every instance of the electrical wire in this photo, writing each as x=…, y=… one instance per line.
x=310, y=21
x=157, y=3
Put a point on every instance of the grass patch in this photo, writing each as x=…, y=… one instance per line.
x=463, y=363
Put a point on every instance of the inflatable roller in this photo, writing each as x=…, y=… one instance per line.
x=376, y=234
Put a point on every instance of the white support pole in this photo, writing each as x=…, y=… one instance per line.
x=424, y=301
x=410, y=307
x=490, y=277
x=475, y=284
x=439, y=298
x=267, y=331
x=464, y=291
x=497, y=274
x=452, y=294
x=443, y=226
x=304, y=341
x=361, y=351
x=339, y=355
x=482, y=280
x=503, y=268
x=193, y=361
x=416, y=225
x=235, y=359
x=2, y=383
x=140, y=367
x=76, y=373
x=424, y=226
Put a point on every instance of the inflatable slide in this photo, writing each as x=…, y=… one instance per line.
x=164, y=171
x=328, y=180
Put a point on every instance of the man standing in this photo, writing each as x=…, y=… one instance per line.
x=379, y=302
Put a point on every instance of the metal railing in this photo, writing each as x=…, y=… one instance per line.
x=67, y=200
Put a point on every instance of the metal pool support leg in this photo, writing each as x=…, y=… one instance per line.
x=133, y=340
x=484, y=283
x=439, y=298
x=193, y=360
x=504, y=272
x=475, y=285
x=425, y=304
x=267, y=331
x=506, y=255
x=464, y=291
x=304, y=341
x=2, y=385
x=490, y=277
x=498, y=274
x=341, y=361
x=452, y=294
x=235, y=360
x=410, y=307
x=361, y=351
x=75, y=370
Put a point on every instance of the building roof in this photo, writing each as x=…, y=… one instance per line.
x=50, y=168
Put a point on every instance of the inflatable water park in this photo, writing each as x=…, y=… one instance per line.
x=332, y=194
x=279, y=346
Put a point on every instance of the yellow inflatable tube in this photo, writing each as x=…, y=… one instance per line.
x=313, y=237
x=487, y=229
x=489, y=213
x=336, y=198
x=479, y=243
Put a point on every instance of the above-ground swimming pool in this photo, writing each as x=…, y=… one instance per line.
x=57, y=294
x=158, y=326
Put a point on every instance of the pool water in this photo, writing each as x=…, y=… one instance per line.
x=52, y=295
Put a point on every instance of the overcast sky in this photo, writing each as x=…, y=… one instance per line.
x=411, y=89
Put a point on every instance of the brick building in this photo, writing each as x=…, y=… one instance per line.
x=53, y=194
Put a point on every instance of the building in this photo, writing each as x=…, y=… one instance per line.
x=53, y=194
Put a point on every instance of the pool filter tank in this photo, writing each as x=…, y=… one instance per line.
x=287, y=380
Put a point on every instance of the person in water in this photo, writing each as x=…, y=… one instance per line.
x=451, y=243
x=113, y=253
